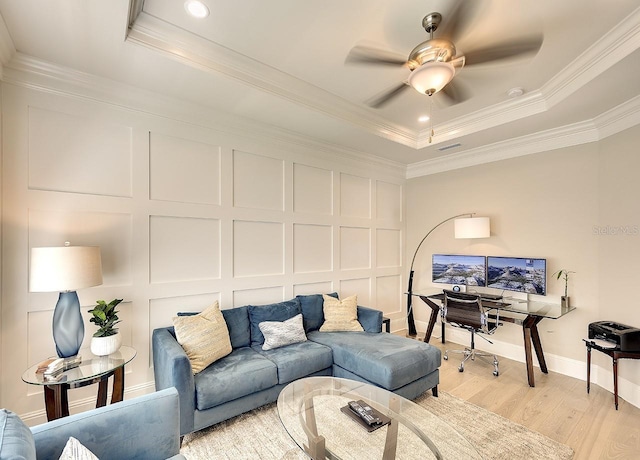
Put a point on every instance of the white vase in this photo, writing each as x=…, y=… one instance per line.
x=102, y=346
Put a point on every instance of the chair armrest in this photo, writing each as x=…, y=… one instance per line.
x=370, y=319
x=143, y=428
x=171, y=368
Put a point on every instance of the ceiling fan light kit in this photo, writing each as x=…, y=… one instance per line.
x=431, y=77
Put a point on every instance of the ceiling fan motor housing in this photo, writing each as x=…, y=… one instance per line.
x=436, y=49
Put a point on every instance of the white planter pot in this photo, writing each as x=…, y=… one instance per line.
x=102, y=346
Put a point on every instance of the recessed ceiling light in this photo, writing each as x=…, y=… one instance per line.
x=196, y=8
x=423, y=118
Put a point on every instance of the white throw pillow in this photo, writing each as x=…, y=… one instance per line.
x=340, y=315
x=74, y=450
x=278, y=334
x=204, y=337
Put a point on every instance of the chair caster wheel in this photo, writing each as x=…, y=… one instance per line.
x=445, y=357
x=461, y=369
x=496, y=373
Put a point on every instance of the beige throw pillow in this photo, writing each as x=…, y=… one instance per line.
x=340, y=315
x=204, y=337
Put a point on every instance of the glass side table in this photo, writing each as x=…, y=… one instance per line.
x=92, y=369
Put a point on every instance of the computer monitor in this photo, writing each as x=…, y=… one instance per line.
x=459, y=269
x=518, y=274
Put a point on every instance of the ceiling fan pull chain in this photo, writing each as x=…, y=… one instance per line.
x=431, y=132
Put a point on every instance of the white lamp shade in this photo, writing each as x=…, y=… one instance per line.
x=65, y=268
x=432, y=75
x=473, y=227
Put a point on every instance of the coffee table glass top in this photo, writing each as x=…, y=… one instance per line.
x=90, y=367
x=310, y=410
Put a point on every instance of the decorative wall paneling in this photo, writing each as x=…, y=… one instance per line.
x=185, y=215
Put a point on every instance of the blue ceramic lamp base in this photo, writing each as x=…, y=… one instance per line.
x=68, y=327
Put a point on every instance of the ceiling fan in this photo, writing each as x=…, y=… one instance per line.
x=435, y=62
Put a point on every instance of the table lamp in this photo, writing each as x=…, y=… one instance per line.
x=66, y=269
x=465, y=226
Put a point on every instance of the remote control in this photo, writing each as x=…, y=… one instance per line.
x=365, y=412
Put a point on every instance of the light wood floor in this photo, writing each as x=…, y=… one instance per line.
x=558, y=407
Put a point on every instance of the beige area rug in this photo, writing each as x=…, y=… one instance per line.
x=260, y=435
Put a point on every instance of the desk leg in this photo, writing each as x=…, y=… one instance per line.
x=530, y=332
x=537, y=344
x=435, y=311
x=588, y=368
x=56, y=401
x=615, y=379
x=118, y=385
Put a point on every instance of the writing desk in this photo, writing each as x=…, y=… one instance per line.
x=533, y=312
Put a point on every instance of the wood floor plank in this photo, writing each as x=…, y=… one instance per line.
x=558, y=407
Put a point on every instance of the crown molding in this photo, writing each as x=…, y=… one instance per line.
x=619, y=118
x=29, y=72
x=527, y=105
x=209, y=56
x=566, y=136
x=609, y=123
x=7, y=48
x=611, y=48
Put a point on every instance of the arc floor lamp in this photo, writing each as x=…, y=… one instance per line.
x=465, y=226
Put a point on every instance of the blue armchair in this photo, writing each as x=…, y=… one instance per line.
x=143, y=428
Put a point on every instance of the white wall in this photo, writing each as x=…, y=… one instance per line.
x=560, y=205
x=185, y=213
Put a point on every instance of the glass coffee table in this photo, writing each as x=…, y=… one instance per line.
x=311, y=411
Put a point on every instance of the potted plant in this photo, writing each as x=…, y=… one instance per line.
x=564, y=274
x=106, y=339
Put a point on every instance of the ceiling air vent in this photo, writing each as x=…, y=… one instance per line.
x=450, y=146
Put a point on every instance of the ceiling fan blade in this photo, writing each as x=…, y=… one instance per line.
x=382, y=99
x=455, y=93
x=496, y=53
x=456, y=21
x=366, y=55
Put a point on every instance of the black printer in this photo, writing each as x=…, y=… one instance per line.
x=626, y=337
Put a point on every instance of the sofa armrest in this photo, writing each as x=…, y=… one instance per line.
x=171, y=368
x=143, y=428
x=370, y=319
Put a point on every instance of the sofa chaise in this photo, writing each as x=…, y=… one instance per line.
x=250, y=377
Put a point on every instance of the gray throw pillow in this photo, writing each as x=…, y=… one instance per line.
x=278, y=334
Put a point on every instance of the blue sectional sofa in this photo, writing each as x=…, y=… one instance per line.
x=143, y=428
x=250, y=377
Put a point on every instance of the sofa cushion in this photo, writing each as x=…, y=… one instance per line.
x=281, y=333
x=16, y=440
x=387, y=360
x=281, y=311
x=298, y=360
x=204, y=337
x=311, y=306
x=237, y=320
x=340, y=315
x=239, y=374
